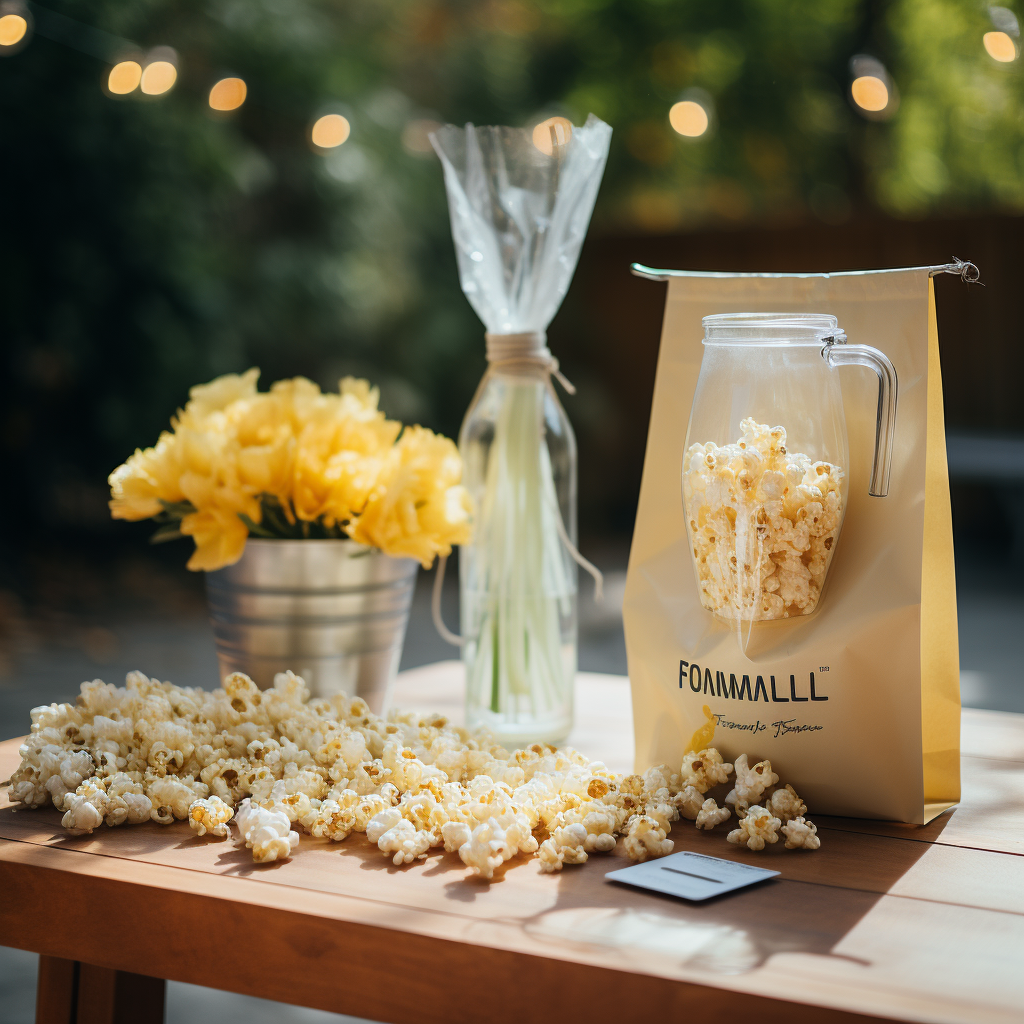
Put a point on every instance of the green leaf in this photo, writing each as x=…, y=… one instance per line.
x=177, y=509
x=274, y=520
x=254, y=528
x=167, y=532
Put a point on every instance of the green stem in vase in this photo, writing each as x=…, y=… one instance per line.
x=521, y=567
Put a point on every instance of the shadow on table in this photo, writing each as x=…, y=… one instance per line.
x=819, y=898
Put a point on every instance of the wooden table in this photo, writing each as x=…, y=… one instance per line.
x=885, y=920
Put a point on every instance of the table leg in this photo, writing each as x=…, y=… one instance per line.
x=55, y=990
x=106, y=996
x=69, y=992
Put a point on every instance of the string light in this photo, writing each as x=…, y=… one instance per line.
x=870, y=93
x=688, y=118
x=12, y=29
x=158, y=77
x=228, y=94
x=555, y=131
x=330, y=130
x=124, y=77
x=1000, y=46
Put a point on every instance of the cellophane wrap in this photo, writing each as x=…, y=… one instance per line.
x=519, y=214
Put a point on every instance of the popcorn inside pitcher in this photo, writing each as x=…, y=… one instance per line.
x=763, y=524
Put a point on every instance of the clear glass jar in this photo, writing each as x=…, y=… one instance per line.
x=518, y=581
x=766, y=460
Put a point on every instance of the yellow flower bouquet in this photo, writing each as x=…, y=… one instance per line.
x=294, y=462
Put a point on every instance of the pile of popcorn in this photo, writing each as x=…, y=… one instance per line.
x=763, y=522
x=295, y=462
x=276, y=761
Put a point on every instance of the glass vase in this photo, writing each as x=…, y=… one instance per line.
x=518, y=581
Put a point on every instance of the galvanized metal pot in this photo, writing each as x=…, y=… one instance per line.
x=333, y=611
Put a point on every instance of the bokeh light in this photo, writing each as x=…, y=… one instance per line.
x=688, y=118
x=330, y=130
x=555, y=131
x=158, y=77
x=124, y=77
x=1000, y=46
x=12, y=29
x=228, y=94
x=870, y=93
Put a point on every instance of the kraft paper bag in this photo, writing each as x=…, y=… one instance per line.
x=862, y=714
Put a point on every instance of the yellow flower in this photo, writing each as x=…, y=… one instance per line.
x=146, y=479
x=297, y=401
x=418, y=509
x=263, y=430
x=207, y=399
x=219, y=535
x=210, y=480
x=340, y=454
x=326, y=458
x=359, y=391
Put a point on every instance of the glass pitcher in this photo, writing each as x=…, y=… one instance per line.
x=765, y=465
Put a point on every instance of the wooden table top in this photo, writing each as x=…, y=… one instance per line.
x=917, y=923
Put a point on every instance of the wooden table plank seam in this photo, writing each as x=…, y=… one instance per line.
x=904, y=896
x=913, y=839
x=996, y=758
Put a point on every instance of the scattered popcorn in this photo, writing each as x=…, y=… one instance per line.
x=126, y=802
x=755, y=829
x=486, y=849
x=381, y=823
x=801, y=834
x=73, y=771
x=567, y=845
x=711, y=814
x=705, y=769
x=85, y=808
x=455, y=834
x=646, y=838
x=405, y=841
x=786, y=805
x=172, y=796
x=751, y=782
x=332, y=821
x=282, y=764
x=267, y=833
x=210, y=815
x=763, y=523
x=689, y=802
x=601, y=826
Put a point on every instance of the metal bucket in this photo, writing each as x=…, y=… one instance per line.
x=333, y=611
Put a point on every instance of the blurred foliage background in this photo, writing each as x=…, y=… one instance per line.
x=151, y=243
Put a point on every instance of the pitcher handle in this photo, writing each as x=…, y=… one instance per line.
x=888, y=388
